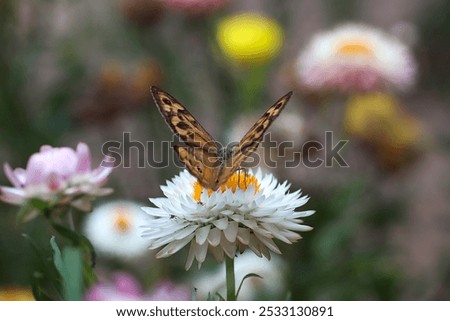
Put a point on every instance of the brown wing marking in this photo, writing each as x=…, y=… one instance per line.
x=182, y=122
x=204, y=167
x=249, y=143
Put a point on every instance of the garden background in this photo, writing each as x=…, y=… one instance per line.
x=81, y=71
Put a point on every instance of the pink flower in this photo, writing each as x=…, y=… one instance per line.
x=56, y=176
x=124, y=287
x=196, y=6
x=169, y=291
x=355, y=58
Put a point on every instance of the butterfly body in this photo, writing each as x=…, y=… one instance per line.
x=204, y=157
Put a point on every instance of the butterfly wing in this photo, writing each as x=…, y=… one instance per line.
x=205, y=167
x=251, y=140
x=200, y=153
x=182, y=122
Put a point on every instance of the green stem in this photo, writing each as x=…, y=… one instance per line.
x=231, y=285
x=71, y=220
x=251, y=85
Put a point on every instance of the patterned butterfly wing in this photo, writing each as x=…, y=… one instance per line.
x=182, y=122
x=200, y=153
x=251, y=140
x=205, y=167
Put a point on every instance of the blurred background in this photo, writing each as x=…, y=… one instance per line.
x=80, y=71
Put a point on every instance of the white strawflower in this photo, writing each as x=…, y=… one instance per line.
x=114, y=229
x=250, y=210
x=355, y=57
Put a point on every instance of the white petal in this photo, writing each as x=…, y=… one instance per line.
x=154, y=211
x=275, y=232
x=214, y=237
x=12, y=195
x=190, y=258
x=228, y=247
x=304, y=213
x=268, y=242
x=297, y=227
x=202, y=233
x=243, y=235
x=181, y=234
x=200, y=251
x=231, y=231
x=217, y=252
x=221, y=223
x=174, y=247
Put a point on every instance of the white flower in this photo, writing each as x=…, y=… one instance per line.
x=250, y=210
x=57, y=176
x=271, y=285
x=114, y=229
x=355, y=57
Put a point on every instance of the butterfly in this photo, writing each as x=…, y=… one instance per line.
x=203, y=157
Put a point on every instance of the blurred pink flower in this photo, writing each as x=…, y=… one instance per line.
x=355, y=58
x=124, y=287
x=196, y=6
x=56, y=176
x=168, y=291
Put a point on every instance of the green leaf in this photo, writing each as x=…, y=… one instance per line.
x=57, y=257
x=73, y=277
x=44, y=264
x=77, y=239
x=37, y=287
x=45, y=276
x=215, y=297
x=69, y=264
x=250, y=275
x=38, y=204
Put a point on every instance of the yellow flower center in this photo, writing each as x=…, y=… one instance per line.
x=240, y=179
x=122, y=221
x=354, y=48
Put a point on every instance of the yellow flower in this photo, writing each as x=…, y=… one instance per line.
x=16, y=294
x=366, y=113
x=249, y=39
x=379, y=120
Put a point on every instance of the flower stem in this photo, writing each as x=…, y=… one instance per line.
x=231, y=285
x=71, y=220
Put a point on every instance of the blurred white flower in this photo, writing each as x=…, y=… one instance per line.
x=271, y=285
x=57, y=176
x=353, y=58
x=407, y=32
x=114, y=229
x=250, y=210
